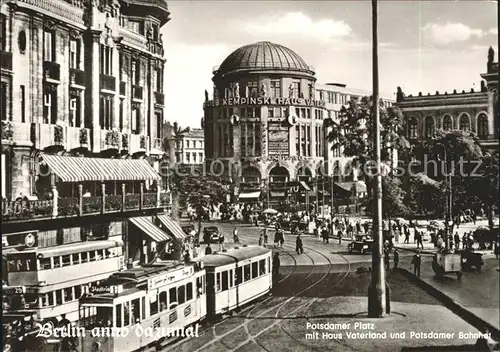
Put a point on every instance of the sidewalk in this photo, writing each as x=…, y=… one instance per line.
x=475, y=298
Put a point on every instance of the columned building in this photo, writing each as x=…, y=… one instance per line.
x=190, y=147
x=82, y=108
x=264, y=125
x=475, y=111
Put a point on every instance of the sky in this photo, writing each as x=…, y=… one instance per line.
x=424, y=46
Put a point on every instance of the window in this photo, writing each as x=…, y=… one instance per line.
x=275, y=88
x=255, y=270
x=270, y=112
x=187, y=143
x=464, y=123
x=66, y=260
x=253, y=89
x=225, y=281
x=188, y=158
x=429, y=127
x=246, y=272
x=136, y=26
x=120, y=122
x=118, y=315
x=57, y=262
x=153, y=303
x=172, y=295
x=136, y=73
x=3, y=100
x=106, y=112
x=22, y=97
x=45, y=263
x=49, y=107
x=262, y=267
x=85, y=257
x=239, y=275
x=447, y=123
x=156, y=32
x=482, y=125
x=59, y=297
x=74, y=53
x=181, y=294
x=231, y=278
x=135, y=120
x=412, y=128
x=189, y=291
x=200, y=157
x=135, y=311
x=75, y=112
x=159, y=80
x=3, y=31
x=194, y=158
x=218, y=284
x=78, y=292
x=49, y=48
x=126, y=313
x=296, y=89
x=106, y=63
x=68, y=294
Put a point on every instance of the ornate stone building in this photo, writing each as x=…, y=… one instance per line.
x=82, y=109
x=264, y=126
x=475, y=111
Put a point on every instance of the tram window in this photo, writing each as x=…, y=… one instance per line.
x=268, y=266
x=85, y=257
x=246, y=271
x=172, y=295
x=44, y=263
x=218, y=282
x=68, y=294
x=153, y=304
x=78, y=292
x=239, y=275
x=143, y=307
x=104, y=316
x=76, y=258
x=118, y=309
x=66, y=260
x=59, y=297
x=189, y=291
x=136, y=311
x=181, y=294
x=231, y=278
x=262, y=266
x=163, y=301
x=224, y=281
x=93, y=256
x=255, y=270
x=57, y=262
x=126, y=313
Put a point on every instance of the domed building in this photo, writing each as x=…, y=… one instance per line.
x=264, y=126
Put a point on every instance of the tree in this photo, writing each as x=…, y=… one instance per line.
x=393, y=199
x=424, y=195
x=199, y=191
x=486, y=187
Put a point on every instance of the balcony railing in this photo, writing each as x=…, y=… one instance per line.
x=156, y=144
x=46, y=135
x=78, y=206
x=52, y=70
x=138, y=143
x=6, y=60
x=156, y=48
x=123, y=88
x=110, y=139
x=159, y=98
x=76, y=77
x=108, y=82
x=77, y=137
x=137, y=92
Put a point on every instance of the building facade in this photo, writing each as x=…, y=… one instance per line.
x=474, y=111
x=190, y=147
x=264, y=125
x=82, y=110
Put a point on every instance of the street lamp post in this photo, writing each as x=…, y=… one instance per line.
x=377, y=295
x=448, y=200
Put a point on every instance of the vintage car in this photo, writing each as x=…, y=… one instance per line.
x=187, y=229
x=445, y=262
x=471, y=259
x=362, y=244
x=211, y=234
x=484, y=235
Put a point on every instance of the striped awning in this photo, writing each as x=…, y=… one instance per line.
x=278, y=194
x=145, y=224
x=172, y=227
x=249, y=195
x=80, y=169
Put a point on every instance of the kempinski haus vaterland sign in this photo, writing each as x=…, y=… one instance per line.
x=265, y=101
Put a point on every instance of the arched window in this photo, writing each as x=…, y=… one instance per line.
x=412, y=128
x=429, y=127
x=482, y=125
x=447, y=123
x=464, y=122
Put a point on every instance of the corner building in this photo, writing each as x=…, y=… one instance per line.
x=264, y=124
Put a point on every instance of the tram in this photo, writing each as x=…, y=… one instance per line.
x=139, y=307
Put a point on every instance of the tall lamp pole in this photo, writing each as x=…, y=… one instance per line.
x=377, y=304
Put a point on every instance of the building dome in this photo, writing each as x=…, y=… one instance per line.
x=263, y=56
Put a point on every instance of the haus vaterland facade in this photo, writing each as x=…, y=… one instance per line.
x=265, y=126
x=82, y=112
x=476, y=110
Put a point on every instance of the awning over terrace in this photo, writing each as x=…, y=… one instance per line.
x=146, y=225
x=249, y=195
x=78, y=169
x=172, y=227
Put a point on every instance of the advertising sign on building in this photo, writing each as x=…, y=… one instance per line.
x=278, y=144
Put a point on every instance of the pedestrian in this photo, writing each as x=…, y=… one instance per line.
x=316, y=234
x=276, y=266
x=282, y=238
x=416, y=262
x=208, y=250
x=340, y=237
x=265, y=239
x=221, y=242
x=396, y=258
x=276, y=238
x=387, y=260
x=497, y=249
x=261, y=239
x=324, y=234
x=464, y=240
x=298, y=245
x=407, y=234
x=235, y=236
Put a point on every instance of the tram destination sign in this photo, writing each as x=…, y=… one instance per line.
x=265, y=101
x=170, y=277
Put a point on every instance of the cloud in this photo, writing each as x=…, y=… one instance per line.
x=299, y=24
x=443, y=34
